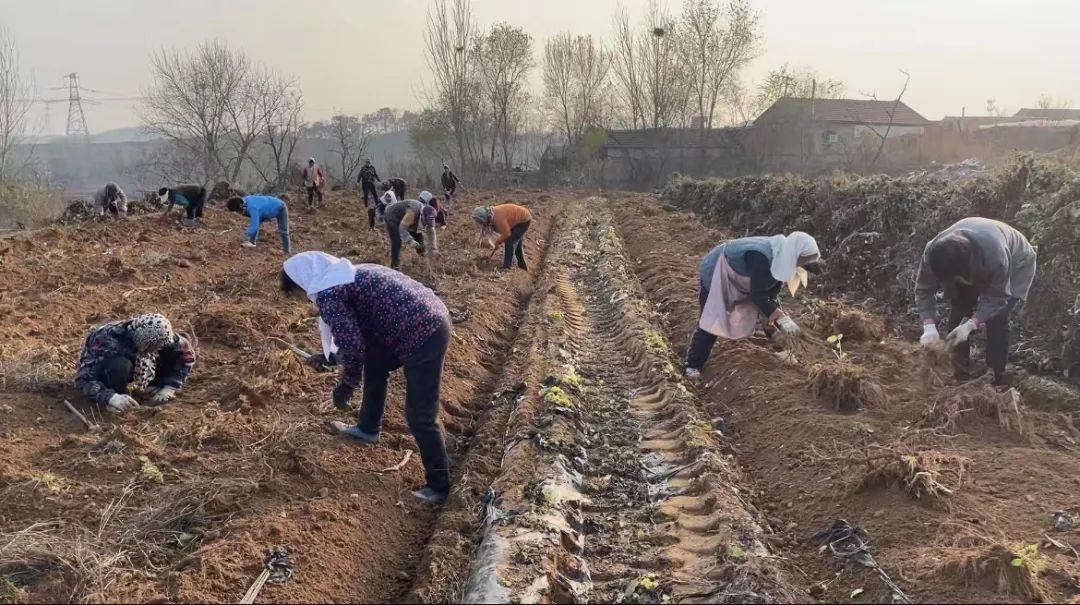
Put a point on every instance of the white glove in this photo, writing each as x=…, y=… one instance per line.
x=962, y=332
x=788, y=325
x=119, y=403
x=930, y=336
x=249, y=244
x=165, y=394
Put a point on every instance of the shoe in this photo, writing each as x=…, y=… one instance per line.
x=693, y=374
x=351, y=430
x=430, y=496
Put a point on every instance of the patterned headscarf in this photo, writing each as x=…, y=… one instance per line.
x=482, y=214
x=151, y=332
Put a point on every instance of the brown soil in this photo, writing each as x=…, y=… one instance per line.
x=1009, y=459
x=245, y=457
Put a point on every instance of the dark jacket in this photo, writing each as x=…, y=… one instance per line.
x=450, y=180
x=114, y=340
x=367, y=175
x=185, y=195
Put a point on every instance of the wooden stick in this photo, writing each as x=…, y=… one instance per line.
x=89, y=425
x=399, y=465
x=253, y=592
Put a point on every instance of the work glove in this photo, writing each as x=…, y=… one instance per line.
x=120, y=403
x=788, y=326
x=249, y=244
x=164, y=394
x=930, y=336
x=962, y=332
x=342, y=394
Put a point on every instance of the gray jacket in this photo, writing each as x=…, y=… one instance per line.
x=1002, y=268
x=424, y=218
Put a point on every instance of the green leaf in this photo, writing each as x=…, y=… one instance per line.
x=186, y=540
x=831, y=339
x=1017, y=562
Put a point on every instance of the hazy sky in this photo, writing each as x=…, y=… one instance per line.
x=359, y=55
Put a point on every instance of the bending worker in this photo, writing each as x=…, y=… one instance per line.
x=404, y=219
x=377, y=320
x=111, y=198
x=262, y=208
x=740, y=282
x=192, y=198
x=511, y=222
x=142, y=353
x=985, y=267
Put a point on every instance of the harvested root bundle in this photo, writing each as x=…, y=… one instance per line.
x=846, y=385
x=276, y=372
x=975, y=400
x=919, y=473
x=1014, y=572
x=936, y=368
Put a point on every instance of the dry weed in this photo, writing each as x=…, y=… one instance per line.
x=1014, y=572
x=919, y=473
x=846, y=385
x=982, y=400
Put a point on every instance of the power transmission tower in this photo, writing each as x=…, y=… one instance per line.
x=76, y=122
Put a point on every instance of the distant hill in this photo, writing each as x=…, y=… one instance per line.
x=132, y=134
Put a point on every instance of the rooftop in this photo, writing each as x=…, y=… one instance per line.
x=848, y=111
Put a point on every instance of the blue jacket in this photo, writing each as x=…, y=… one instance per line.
x=261, y=208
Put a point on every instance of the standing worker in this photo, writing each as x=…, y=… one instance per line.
x=110, y=198
x=192, y=198
x=142, y=354
x=375, y=321
x=739, y=283
x=262, y=208
x=511, y=222
x=368, y=177
x=314, y=179
x=450, y=184
x=404, y=220
x=985, y=268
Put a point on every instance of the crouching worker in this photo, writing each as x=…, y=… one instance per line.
x=739, y=283
x=111, y=198
x=262, y=208
x=985, y=268
x=192, y=198
x=378, y=320
x=437, y=206
x=511, y=222
x=404, y=219
x=140, y=355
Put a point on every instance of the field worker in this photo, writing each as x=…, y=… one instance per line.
x=110, y=198
x=377, y=320
x=262, y=208
x=404, y=220
x=440, y=212
x=450, y=184
x=192, y=198
x=511, y=222
x=367, y=178
x=397, y=185
x=739, y=283
x=388, y=197
x=142, y=353
x=314, y=178
x=985, y=267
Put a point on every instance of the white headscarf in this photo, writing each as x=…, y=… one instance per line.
x=787, y=251
x=425, y=196
x=315, y=272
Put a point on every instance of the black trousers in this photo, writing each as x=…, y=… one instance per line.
x=701, y=343
x=312, y=193
x=195, y=206
x=118, y=372
x=371, y=218
x=369, y=188
x=395, y=243
x=399, y=191
x=515, y=245
x=997, y=331
x=423, y=380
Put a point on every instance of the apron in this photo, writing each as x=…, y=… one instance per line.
x=729, y=311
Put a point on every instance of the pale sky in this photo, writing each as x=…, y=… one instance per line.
x=360, y=55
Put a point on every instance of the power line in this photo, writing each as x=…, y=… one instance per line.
x=76, y=122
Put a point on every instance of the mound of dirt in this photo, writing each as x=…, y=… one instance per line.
x=848, y=387
x=857, y=326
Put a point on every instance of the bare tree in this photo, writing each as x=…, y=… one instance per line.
x=884, y=135
x=504, y=60
x=626, y=68
x=1046, y=101
x=188, y=100
x=664, y=77
x=281, y=133
x=450, y=33
x=575, y=75
x=16, y=101
x=717, y=41
x=348, y=138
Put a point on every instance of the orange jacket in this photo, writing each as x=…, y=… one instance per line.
x=505, y=217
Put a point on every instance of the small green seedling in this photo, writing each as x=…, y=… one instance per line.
x=837, y=341
x=149, y=471
x=50, y=482
x=556, y=396
x=555, y=316
x=736, y=553
x=1026, y=556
